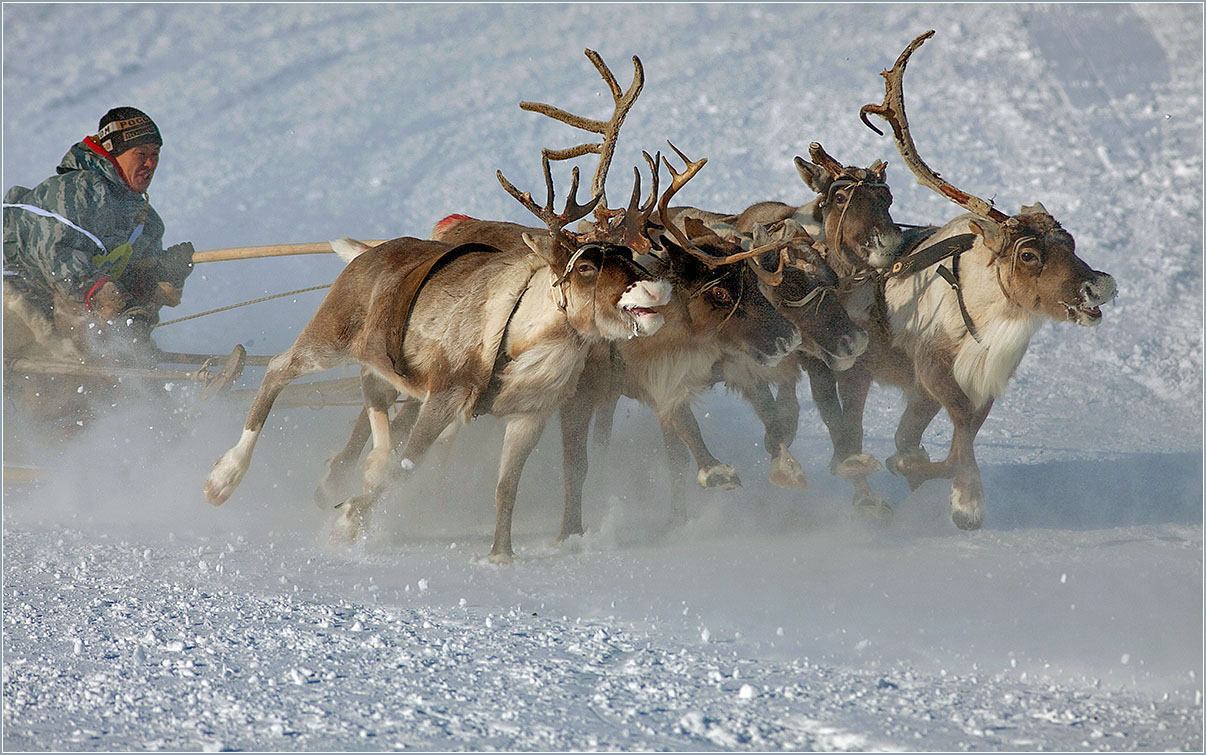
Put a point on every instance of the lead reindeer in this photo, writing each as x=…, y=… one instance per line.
x=952, y=337
x=468, y=329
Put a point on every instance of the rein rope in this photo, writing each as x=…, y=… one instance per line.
x=241, y=304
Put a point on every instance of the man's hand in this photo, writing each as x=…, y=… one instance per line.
x=177, y=262
x=109, y=300
x=165, y=294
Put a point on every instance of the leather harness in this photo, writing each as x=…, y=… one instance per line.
x=912, y=261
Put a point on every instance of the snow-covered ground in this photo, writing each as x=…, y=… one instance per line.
x=136, y=617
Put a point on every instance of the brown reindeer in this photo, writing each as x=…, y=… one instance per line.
x=469, y=329
x=461, y=229
x=952, y=337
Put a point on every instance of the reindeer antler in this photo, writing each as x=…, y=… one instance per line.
x=632, y=230
x=663, y=205
x=609, y=130
x=554, y=220
x=822, y=158
x=892, y=110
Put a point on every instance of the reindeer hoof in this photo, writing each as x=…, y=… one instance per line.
x=856, y=467
x=501, y=558
x=721, y=476
x=219, y=487
x=567, y=534
x=904, y=463
x=786, y=472
x=967, y=508
x=352, y=520
x=869, y=508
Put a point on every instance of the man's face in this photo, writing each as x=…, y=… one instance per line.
x=138, y=164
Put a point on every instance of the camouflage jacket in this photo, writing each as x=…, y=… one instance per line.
x=79, y=227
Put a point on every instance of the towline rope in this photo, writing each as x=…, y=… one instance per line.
x=242, y=304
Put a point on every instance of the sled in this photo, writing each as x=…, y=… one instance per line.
x=214, y=373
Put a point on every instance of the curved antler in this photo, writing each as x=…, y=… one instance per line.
x=892, y=110
x=609, y=130
x=554, y=220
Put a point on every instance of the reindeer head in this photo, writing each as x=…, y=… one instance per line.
x=1038, y=270
x=853, y=209
x=1034, y=257
x=802, y=287
x=601, y=288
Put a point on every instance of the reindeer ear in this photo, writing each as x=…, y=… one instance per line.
x=879, y=169
x=694, y=227
x=1034, y=209
x=547, y=249
x=990, y=231
x=815, y=176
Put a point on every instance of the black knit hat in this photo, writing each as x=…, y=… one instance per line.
x=124, y=127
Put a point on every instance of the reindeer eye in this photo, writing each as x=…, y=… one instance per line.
x=840, y=198
x=1029, y=256
x=721, y=294
x=587, y=268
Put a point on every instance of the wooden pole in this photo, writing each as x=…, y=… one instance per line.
x=274, y=250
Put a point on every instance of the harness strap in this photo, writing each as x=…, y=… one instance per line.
x=414, y=281
x=485, y=399
x=951, y=248
x=912, y=261
x=952, y=277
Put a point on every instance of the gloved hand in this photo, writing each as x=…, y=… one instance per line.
x=108, y=301
x=176, y=263
x=165, y=294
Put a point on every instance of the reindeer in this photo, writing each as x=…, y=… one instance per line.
x=461, y=229
x=469, y=329
x=952, y=337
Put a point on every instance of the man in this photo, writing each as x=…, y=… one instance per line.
x=84, y=252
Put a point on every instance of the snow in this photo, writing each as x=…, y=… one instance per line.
x=137, y=617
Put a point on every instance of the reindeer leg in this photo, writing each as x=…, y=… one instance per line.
x=712, y=472
x=823, y=385
x=378, y=397
x=340, y=466
x=780, y=422
x=575, y=420
x=853, y=387
x=523, y=432
x=437, y=412
x=300, y=359
x=787, y=407
x=605, y=413
x=677, y=458
x=967, y=490
x=842, y=413
x=911, y=460
x=404, y=421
